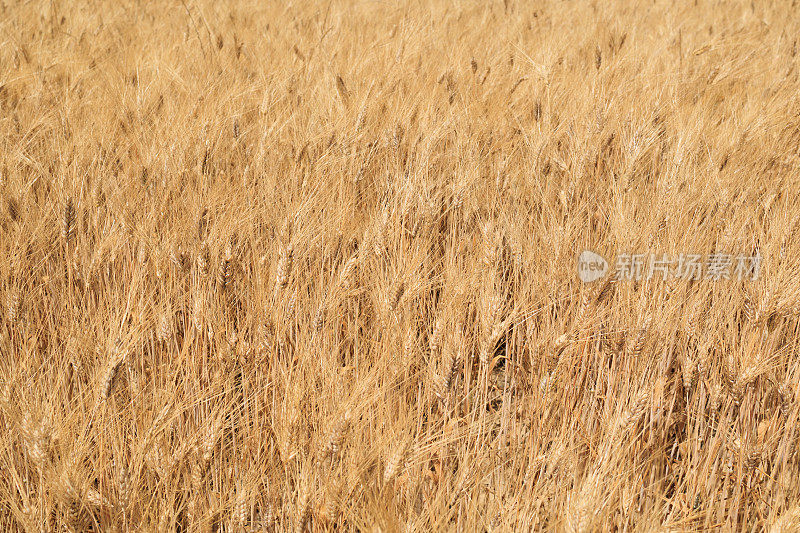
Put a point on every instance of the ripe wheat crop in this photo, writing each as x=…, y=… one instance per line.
x=312, y=266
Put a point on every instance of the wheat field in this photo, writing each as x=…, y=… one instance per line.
x=306, y=266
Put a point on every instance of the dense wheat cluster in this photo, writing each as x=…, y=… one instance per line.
x=272, y=266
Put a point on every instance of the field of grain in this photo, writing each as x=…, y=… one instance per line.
x=312, y=266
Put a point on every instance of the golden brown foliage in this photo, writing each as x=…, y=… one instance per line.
x=308, y=266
